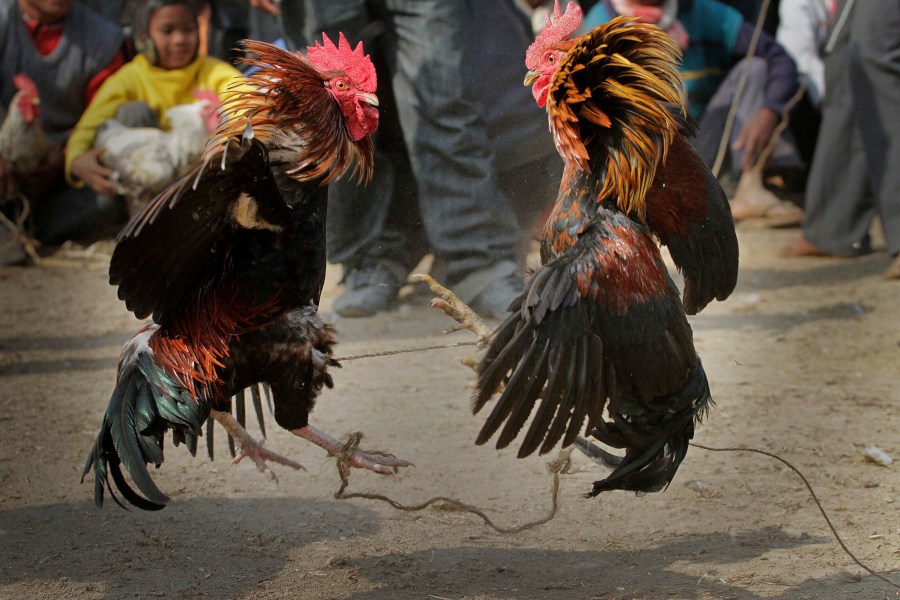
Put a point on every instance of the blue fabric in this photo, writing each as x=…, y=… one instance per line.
x=713, y=33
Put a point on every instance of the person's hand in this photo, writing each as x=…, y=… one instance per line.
x=8, y=187
x=755, y=135
x=89, y=169
x=46, y=175
x=269, y=6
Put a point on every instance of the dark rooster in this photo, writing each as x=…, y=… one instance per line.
x=600, y=326
x=230, y=262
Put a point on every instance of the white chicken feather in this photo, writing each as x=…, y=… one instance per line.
x=146, y=159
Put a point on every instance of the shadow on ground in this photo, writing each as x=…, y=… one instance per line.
x=652, y=573
x=218, y=548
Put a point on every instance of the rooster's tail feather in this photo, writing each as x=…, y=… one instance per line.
x=656, y=436
x=131, y=435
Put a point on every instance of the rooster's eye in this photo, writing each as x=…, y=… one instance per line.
x=341, y=85
x=551, y=58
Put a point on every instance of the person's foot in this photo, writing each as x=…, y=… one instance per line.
x=801, y=247
x=784, y=214
x=370, y=289
x=11, y=251
x=496, y=297
x=893, y=271
x=753, y=200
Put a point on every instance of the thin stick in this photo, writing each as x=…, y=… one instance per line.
x=742, y=83
x=815, y=499
x=17, y=229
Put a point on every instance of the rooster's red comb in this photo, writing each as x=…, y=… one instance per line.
x=352, y=61
x=24, y=83
x=559, y=27
x=209, y=95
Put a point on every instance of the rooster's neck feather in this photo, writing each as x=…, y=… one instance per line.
x=623, y=73
x=288, y=106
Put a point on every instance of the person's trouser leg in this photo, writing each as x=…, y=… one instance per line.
x=874, y=71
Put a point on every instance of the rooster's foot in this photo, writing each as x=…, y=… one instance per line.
x=349, y=453
x=456, y=309
x=247, y=447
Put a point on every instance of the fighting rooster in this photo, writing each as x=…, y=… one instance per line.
x=230, y=262
x=600, y=327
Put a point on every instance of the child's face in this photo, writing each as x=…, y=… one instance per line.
x=173, y=30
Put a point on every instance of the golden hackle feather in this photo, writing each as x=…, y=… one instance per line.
x=610, y=105
x=288, y=106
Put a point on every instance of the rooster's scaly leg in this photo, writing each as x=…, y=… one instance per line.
x=250, y=448
x=373, y=461
x=457, y=309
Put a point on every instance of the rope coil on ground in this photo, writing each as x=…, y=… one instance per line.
x=556, y=467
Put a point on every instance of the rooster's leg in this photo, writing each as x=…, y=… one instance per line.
x=250, y=448
x=373, y=461
x=457, y=309
x=597, y=454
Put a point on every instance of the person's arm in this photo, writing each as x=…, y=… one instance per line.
x=269, y=6
x=82, y=161
x=801, y=29
x=781, y=84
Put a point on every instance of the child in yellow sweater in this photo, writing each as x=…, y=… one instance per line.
x=167, y=72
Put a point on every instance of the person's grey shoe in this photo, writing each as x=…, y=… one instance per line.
x=11, y=251
x=370, y=289
x=496, y=297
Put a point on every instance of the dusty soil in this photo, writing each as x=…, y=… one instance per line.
x=803, y=361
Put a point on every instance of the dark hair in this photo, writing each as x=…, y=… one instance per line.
x=141, y=24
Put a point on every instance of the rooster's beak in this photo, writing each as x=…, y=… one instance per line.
x=531, y=77
x=369, y=99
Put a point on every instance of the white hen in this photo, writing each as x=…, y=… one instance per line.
x=146, y=159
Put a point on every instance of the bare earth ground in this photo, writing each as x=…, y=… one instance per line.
x=803, y=361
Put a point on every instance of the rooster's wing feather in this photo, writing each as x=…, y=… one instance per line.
x=689, y=212
x=580, y=333
x=180, y=245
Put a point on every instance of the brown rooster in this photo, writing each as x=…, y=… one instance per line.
x=230, y=262
x=24, y=146
x=600, y=327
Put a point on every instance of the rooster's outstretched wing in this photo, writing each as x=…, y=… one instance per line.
x=181, y=246
x=580, y=335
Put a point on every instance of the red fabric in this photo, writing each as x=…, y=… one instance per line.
x=654, y=15
x=46, y=39
x=98, y=79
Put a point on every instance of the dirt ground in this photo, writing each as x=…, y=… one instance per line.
x=803, y=360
